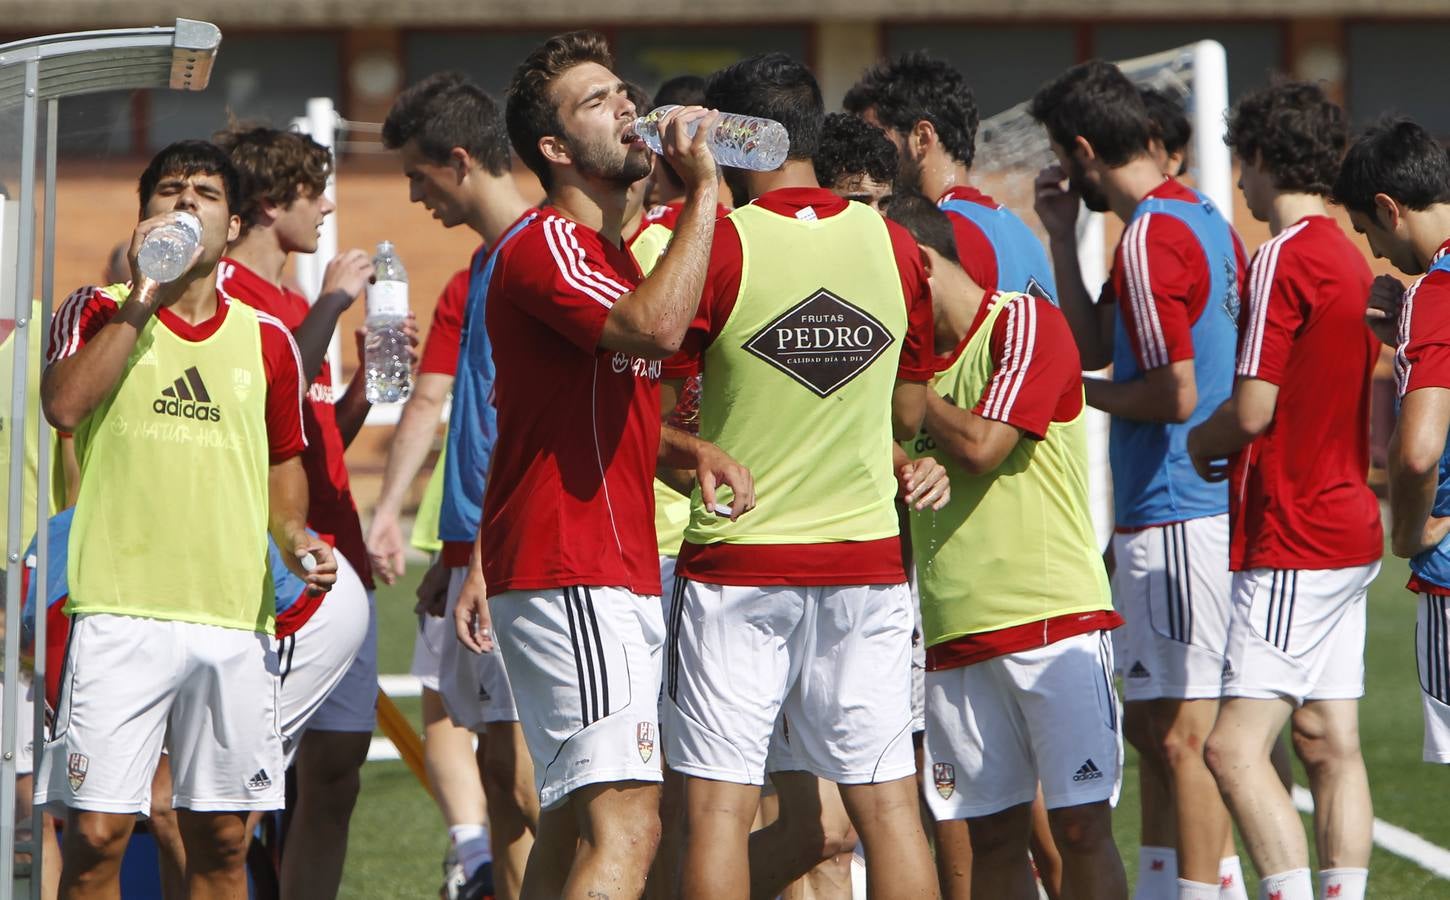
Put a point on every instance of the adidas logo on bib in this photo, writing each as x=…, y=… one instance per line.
x=187, y=398
x=259, y=781
x=1088, y=772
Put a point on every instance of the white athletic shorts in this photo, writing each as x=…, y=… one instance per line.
x=833, y=662
x=584, y=663
x=325, y=662
x=1172, y=587
x=1298, y=634
x=133, y=687
x=998, y=728
x=428, y=649
x=25, y=725
x=1432, y=652
x=474, y=686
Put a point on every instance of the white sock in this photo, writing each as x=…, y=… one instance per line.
x=1291, y=885
x=1196, y=890
x=1342, y=884
x=1231, y=879
x=1157, y=874
x=471, y=846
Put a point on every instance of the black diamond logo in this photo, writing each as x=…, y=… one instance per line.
x=822, y=342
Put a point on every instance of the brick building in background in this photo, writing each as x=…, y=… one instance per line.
x=274, y=56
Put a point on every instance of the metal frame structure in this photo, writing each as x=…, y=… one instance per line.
x=37, y=74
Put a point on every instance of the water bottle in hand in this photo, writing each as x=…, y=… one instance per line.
x=166, y=251
x=387, y=356
x=741, y=142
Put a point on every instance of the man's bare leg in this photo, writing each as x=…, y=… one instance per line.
x=954, y=859
x=718, y=817
x=811, y=840
x=513, y=804
x=216, y=854
x=1045, y=857
x=1326, y=736
x=449, y=761
x=1090, y=861
x=898, y=860
x=1158, y=828
x=664, y=875
x=618, y=828
x=329, y=765
x=1182, y=728
x=1238, y=754
x=170, y=854
x=91, y=854
x=1000, y=867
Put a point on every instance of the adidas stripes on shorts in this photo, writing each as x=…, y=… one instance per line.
x=134, y=686
x=997, y=728
x=1298, y=634
x=1172, y=587
x=1432, y=655
x=584, y=663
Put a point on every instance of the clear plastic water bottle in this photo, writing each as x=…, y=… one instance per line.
x=386, y=357
x=166, y=251
x=741, y=142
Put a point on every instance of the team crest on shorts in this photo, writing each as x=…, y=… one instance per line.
x=644, y=734
x=76, y=767
x=945, y=776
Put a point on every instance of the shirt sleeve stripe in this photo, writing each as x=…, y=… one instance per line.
x=1017, y=356
x=1402, y=359
x=266, y=319
x=65, y=326
x=1262, y=273
x=598, y=277
x=1140, y=290
x=1008, y=344
x=558, y=241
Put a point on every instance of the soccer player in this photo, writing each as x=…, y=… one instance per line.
x=1395, y=183
x=187, y=412
x=1167, y=323
x=856, y=161
x=455, y=153
x=797, y=618
x=566, y=548
x=1171, y=131
x=1015, y=601
x=927, y=109
x=330, y=650
x=1295, y=432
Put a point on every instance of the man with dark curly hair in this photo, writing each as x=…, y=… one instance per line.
x=1171, y=130
x=928, y=111
x=856, y=161
x=1293, y=439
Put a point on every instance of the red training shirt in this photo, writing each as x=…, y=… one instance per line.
x=1422, y=359
x=331, y=511
x=1161, y=282
x=440, y=348
x=1299, y=496
x=570, y=498
x=974, y=251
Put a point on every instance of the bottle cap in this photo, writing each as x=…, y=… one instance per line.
x=309, y=562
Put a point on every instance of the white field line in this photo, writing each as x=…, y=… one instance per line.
x=1395, y=839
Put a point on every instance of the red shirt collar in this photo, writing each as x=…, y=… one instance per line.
x=1172, y=189
x=1440, y=254
x=792, y=201
x=968, y=193
x=200, y=331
